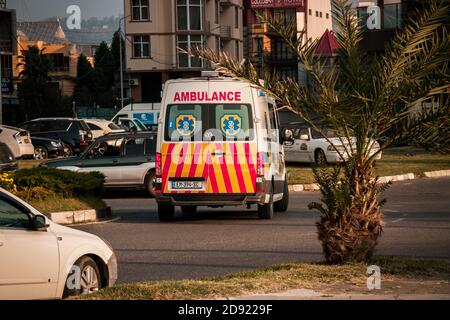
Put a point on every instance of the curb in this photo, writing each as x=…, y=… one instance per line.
x=80, y=217
x=437, y=174
x=402, y=177
x=304, y=294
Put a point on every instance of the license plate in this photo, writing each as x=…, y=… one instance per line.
x=187, y=185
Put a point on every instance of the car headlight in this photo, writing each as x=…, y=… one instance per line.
x=55, y=144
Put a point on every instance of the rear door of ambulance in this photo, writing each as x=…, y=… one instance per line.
x=209, y=142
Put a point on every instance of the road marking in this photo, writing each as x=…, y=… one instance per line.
x=390, y=210
x=398, y=220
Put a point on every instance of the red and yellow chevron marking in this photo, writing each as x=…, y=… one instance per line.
x=233, y=172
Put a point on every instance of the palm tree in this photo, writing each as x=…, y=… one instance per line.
x=366, y=98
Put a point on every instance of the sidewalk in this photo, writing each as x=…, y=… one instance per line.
x=306, y=294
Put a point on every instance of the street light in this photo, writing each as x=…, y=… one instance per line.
x=121, y=58
x=1, y=89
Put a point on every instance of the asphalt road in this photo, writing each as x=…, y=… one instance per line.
x=223, y=241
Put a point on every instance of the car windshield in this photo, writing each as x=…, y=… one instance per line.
x=140, y=125
x=209, y=122
x=114, y=126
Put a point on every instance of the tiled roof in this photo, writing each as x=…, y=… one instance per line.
x=328, y=44
x=46, y=31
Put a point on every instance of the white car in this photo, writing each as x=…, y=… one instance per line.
x=310, y=147
x=18, y=140
x=101, y=128
x=43, y=260
x=127, y=160
x=131, y=124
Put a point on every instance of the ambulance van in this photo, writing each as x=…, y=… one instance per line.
x=219, y=144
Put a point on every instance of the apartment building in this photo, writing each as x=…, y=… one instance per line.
x=62, y=53
x=155, y=29
x=381, y=18
x=267, y=51
x=8, y=95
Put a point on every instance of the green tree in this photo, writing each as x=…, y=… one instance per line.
x=104, y=66
x=115, y=49
x=35, y=67
x=363, y=97
x=86, y=85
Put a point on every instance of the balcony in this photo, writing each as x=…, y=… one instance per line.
x=6, y=46
x=225, y=32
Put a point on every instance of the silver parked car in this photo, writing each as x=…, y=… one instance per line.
x=18, y=140
x=127, y=160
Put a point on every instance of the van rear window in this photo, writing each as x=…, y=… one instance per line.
x=209, y=122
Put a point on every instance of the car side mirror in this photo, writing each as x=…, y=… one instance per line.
x=288, y=135
x=304, y=137
x=40, y=223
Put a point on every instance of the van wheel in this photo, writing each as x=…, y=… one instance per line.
x=90, y=281
x=283, y=204
x=189, y=210
x=166, y=212
x=265, y=211
x=150, y=184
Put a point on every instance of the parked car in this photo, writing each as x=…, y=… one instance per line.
x=47, y=148
x=101, y=128
x=41, y=259
x=147, y=113
x=310, y=146
x=18, y=140
x=127, y=161
x=132, y=125
x=7, y=160
x=74, y=134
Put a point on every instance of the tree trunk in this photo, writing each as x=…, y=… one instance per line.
x=352, y=234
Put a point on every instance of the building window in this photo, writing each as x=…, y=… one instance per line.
x=190, y=15
x=217, y=12
x=320, y=13
x=285, y=16
x=392, y=16
x=236, y=17
x=187, y=42
x=310, y=12
x=280, y=50
x=317, y=13
x=237, y=50
x=140, y=10
x=141, y=47
x=327, y=16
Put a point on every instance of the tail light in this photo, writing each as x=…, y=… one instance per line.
x=260, y=164
x=158, y=165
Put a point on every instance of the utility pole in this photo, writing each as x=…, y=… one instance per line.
x=1, y=91
x=121, y=61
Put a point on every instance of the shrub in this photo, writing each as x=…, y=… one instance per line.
x=7, y=182
x=59, y=182
x=34, y=193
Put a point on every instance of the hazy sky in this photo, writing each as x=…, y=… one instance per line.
x=33, y=10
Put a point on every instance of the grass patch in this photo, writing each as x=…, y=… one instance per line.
x=29, y=164
x=389, y=165
x=55, y=203
x=276, y=279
